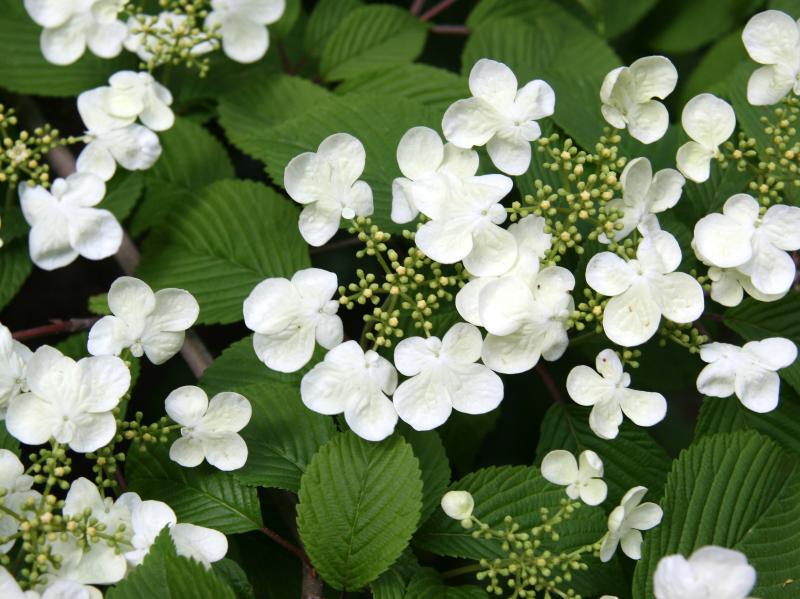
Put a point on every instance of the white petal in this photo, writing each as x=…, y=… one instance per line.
x=95, y=234
x=769, y=85
x=131, y=299
x=659, y=253
x=642, y=407
x=458, y=504
x=187, y=451
x=675, y=579
x=206, y=545
x=345, y=154
x=608, y=547
x=83, y=190
x=494, y=251
x=781, y=224
x=287, y=351
x=66, y=43
x=609, y=366
x=330, y=331
x=446, y=241
x=94, y=107
x=636, y=178
x=304, y=178
x=771, y=270
x=404, y=210
x=175, y=310
x=512, y=155
x=371, y=416
x=227, y=412
x=186, y=405
x=244, y=40
x=96, y=159
x=632, y=318
x=271, y=307
x=758, y=390
x=654, y=77
x=104, y=380
x=92, y=431
x=459, y=162
x=49, y=13
x=226, y=451
x=536, y=100
x=105, y=39
x=708, y=120
x=681, y=297
x=717, y=379
x=359, y=200
x=560, y=467
x=726, y=288
x=594, y=492
x=722, y=240
x=420, y=152
x=724, y=570
x=30, y=419
x=665, y=190
x=315, y=285
x=479, y=389
x=648, y=121
x=160, y=347
x=82, y=494
x=48, y=243
x=772, y=353
x=470, y=122
x=462, y=343
x=609, y=274
x=513, y=353
x=587, y=388
x=422, y=402
x=605, y=418
x=504, y=305
x=135, y=147
x=319, y=222
x=327, y=389
x=645, y=516
x=771, y=37
x=467, y=299
x=414, y=354
x=493, y=82
x=694, y=161
x=631, y=544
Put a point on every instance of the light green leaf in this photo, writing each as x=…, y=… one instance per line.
x=324, y=19
x=359, y=505
x=715, y=67
x=428, y=585
x=122, y=193
x=748, y=117
x=433, y=464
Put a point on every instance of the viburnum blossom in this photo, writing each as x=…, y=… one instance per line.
x=242, y=24
x=708, y=121
x=444, y=376
x=326, y=183
x=153, y=324
x=582, y=477
x=458, y=505
x=17, y=487
x=14, y=358
x=627, y=95
x=644, y=289
x=772, y=38
x=209, y=430
x=607, y=391
x=60, y=589
x=749, y=371
x=69, y=401
x=499, y=115
x=710, y=573
x=728, y=286
x=626, y=522
x=131, y=95
x=356, y=383
x=288, y=316
x=66, y=224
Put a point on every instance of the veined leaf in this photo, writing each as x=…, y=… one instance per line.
x=323, y=21
x=433, y=464
x=15, y=267
x=428, y=585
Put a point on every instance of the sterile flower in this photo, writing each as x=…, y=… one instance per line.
x=357, y=383
x=625, y=523
x=644, y=196
x=499, y=115
x=708, y=121
x=755, y=245
x=65, y=223
x=772, y=38
x=14, y=358
x=710, y=573
x=526, y=321
x=60, y=589
x=444, y=376
x=728, y=286
x=326, y=182
x=607, y=392
x=627, y=95
x=644, y=289
x=584, y=479
x=17, y=487
x=242, y=24
x=133, y=95
x=71, y=25
x=70, y=401
x=147, y=323
x=750, y=371
x=209, y=429
x=458, y=505
x=287, y=316
x=532, y=244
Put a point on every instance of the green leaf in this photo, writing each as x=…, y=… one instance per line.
x=715, y=67
x=7, y=441
x=739, y=491
x=203, y=495
x=748, y=117
x=369, y=38
x=235, y=577
x=618, y=16
x=633, y=458
x=236, y=234
x=122, y=193
x=15, y=267
x=428, y=585
x=701, y=199
x=324, y=19
x=98, y=304
x=435, y=468
x=359, y=505
x=392, y=583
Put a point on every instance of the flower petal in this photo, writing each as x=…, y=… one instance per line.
x=30, y=419
x=633, y=317
x=319, y=222
x=772, y=353
x=494, y=251
x=315, y=286
x=654, y=77
x=769, y=85
x=771, y=37
x=648, y=121
x=587, y=388
x=681, y=297
x=462, y=343
x=420, y=152
x=505, y=305
x=345, y=154
x=513, y=353
x=665, y=190
x=694, y=161
x=160, y=347
x=49, y=13
x=225, y=451
x=631, y=544
x=66, y=43
x=493, y=82
x=175, y=310
x=423, y=402
x=244, y=40
x=95, y=234
x=105, y=39
x=594, y=492
x=771, y=270
x=271, y=307
x=92, y=431
x=605, y=418
x=512, y=155
x=723, y=241
x=470, y=122
x=445, y=241
x=104, y=380
x=227, y=412
x=781, y=224
x=536, y=100
x=479, y=389
x=371, y=415
x=758, y=389
x=560, y=467
x=609, y=274
x=287, y=351
x=186, y=405
x=95, y=158
x=205, y=545
x=642, y=407
x=708, y=120
x=305, y=178
x=724, y=570
x=188, y=452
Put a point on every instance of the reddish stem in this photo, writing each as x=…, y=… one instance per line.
x=56, y=326
x=288, y=546
x=548, y=381
x=428, y=15
x=416, y=7
x=450, y=29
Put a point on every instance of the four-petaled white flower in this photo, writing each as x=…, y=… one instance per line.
x=444, y=376
x=243, y=26
x=753, y=244
x=70, y=401
x=71, y=25
x=750, y=371
x=60, y=589
x=499, y=115
x=772, y=38
x=526, y=320
x=131, y=95
x=14, y=358
x=710, y=573
x=644, y=289
x=708, y=121
x=65, y=223
x=583, y=477
x=458, y=505
x=326, y=183
x=147, y=323
x=606, y=390
x=17, y=486
x=357, y=383
x=728, y=286
x=287, y=316
x=627, y=95
x=209, y=430
x=643, y=196
x=626, y=522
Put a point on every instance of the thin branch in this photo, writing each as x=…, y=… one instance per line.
x=55, y=327
x=548, y=381
x=428, y=15
x=450, y=29
x=286, y=545
x=416, y=7
x=313, y=586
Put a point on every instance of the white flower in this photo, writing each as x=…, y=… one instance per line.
x=287, y=316
x=17, y=487
x=444, y=376
x=499, y=115
x=644, y=196
x=71, y=25
x=532, y=245
x=164, y=25
x=772, y=38
x=710, y=573
x=627, y=95
x=458, y=505
x=133, y=95
x=708, y=121
x=584, y=480
x=625, y=523
x=65, y=223
x=70, y=401
x=749, y=371
x=728, y=286
x=14, y=358
x=607, y=391
x=242, y=24
x=357, y=383
x=209, y=429
x=326, y=182
x=644, y=289
x=526, y=321
x=144, y=322
x=60, y=589
x=755, y=245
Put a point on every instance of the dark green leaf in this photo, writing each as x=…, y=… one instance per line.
x=324, y=19
x=428, y=585
x=15, y=267
x=433, y=463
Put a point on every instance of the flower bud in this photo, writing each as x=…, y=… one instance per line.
x=458, y=504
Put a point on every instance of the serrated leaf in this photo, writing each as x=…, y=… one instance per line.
x=15, y=267
x=733, y=490
x=203, y=495
x=235, y=577
x=392, y=583
x=435, y=468
x=236, y=234
x=359, y=505
x=428, y=585
x=324, y=19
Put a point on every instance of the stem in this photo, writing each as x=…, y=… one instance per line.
x=416, y=7
x=548, y=381
x=428, y=15
x=301, y=555
x=451, y=29
x=57, y=326
x=462, y=570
